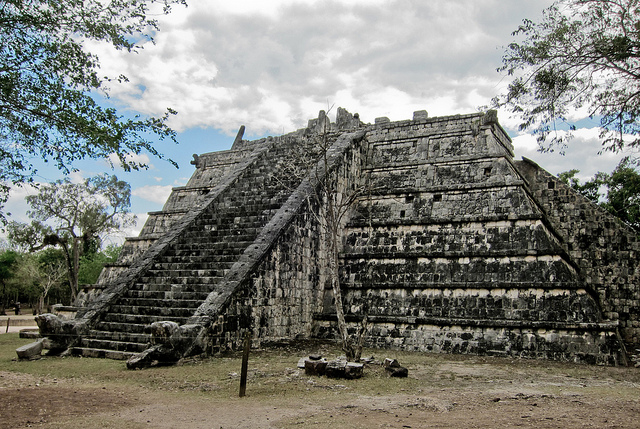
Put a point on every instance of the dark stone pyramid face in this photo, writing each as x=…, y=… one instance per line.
x=448, y=245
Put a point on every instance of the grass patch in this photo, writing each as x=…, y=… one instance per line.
x=273, y=375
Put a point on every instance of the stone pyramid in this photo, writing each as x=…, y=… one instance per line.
x=447, y=245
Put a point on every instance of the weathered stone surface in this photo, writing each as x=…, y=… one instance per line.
x=152, y=356
x=454, y=248
x=302, y=362
x=420, y=115
x=30, y=351
x=60, y=332
x=399, y=371
x=315, y=367
x=336, y=368
x=29, y=333
x=394, y=369
x=354, y=370
x=161, y=332
x=391, y=363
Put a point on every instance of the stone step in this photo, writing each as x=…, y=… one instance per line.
x=164, y=312
x=101, y=353
x=255, y=204
x=240, y=213
x=160, y=302
x=192, y=268
x=169, y=289
x=130, y=337
x=231, y=244
x=120, y=346
x=130, y=328
x=178, y=278
x=178, y=260
x=181, y=276
x=163, y=295
x=140, y=319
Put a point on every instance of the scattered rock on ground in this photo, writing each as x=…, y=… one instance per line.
x=315, y=367
x=394, y=369
x=30, y=351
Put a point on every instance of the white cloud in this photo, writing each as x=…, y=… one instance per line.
x=153, y=193
x=76, y=176
x=181, y=181
x=142, y=158
x=584, y=152
x=273, y=64
x=17, y=204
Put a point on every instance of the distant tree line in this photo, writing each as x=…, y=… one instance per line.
x=39, y=279
x=61, y=249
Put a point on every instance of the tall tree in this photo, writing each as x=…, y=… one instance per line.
x=335, y=202
x=51, y=272
x=48, y=82
x=583, y=56
x=80, y=214
x=92, y=263
x=8, y=262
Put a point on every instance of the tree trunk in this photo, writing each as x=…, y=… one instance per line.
x=352, y=350
x=72, y=261
x=347, y=345
x=76, y=268
x=3, y=302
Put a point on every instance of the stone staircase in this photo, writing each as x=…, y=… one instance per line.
x=190, y=267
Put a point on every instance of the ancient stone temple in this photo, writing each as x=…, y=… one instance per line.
x=447, y=244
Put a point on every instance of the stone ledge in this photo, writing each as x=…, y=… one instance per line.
x=469, y=285
x=441, y=160
x=453, y=189
x=449, y=254
x=148, y=237
x=428, y=120
x=472, y=220
x=168, y=212
x=479, y=323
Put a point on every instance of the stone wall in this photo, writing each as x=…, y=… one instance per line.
x=605, y=251
x=451, y=252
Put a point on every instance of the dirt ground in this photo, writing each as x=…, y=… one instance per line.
x=451, y=393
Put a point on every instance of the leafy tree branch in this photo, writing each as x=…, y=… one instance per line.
x=48, y=83
x=584, y=55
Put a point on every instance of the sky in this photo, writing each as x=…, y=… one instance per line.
x=272, y=65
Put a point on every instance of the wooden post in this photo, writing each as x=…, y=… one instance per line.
x=245, y=364
x=8, y=321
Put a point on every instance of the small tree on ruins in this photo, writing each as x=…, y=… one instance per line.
x=335, y=198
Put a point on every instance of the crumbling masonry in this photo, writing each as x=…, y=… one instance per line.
x=450, y=246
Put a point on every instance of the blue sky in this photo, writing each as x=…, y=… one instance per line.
x=273, y=65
